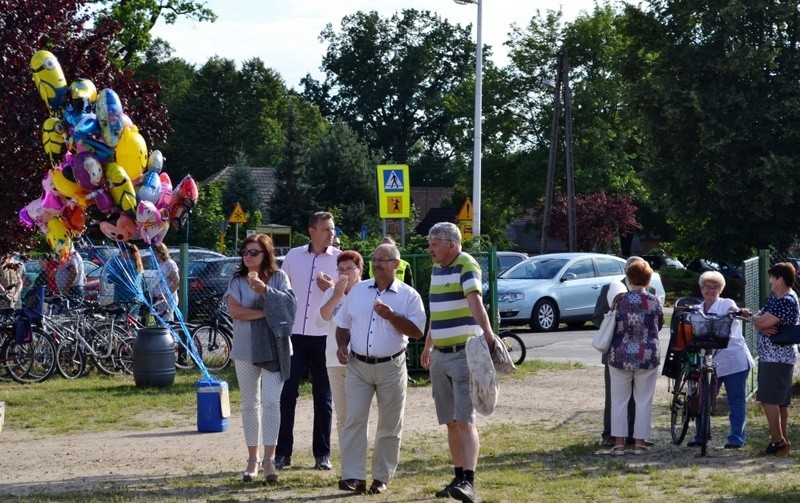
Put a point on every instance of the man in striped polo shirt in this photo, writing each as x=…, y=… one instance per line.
x=457, y=313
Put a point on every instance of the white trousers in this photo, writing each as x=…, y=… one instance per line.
x=642, y=383
x=336, y=378
x=261, y=403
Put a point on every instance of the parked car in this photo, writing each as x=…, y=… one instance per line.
x=150, y=263
x=725, y=268
x=546, y=290
x=91, y=285
x=658, y=262
x=207, y=279
x=508, y=259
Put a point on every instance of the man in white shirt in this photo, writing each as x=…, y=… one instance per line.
x=376, y=321
x=310, y=269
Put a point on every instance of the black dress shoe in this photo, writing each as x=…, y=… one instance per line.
x=694, y=443
x=445, y=492
x=377, y=487
x=354, y=485
x=323, y=463
x=733, y=446
x=282, y=462
x=463, y=491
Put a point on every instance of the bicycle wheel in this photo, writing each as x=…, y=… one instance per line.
x=679, y=409
x=124, y=355
x=515, y=346
x=70, y=358
x=705, y=411
x=214, y=346
x=32, y=361
x=183, y=360
x=101, y=337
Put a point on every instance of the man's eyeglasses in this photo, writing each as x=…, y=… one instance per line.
x=344, y=270
x=383, y=260
x=252, y=253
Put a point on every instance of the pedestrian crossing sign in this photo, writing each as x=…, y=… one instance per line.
x=394, y=191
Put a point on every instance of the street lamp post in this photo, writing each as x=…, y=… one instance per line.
x=476, y=154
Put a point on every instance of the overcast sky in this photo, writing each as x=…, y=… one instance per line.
x=285, y=33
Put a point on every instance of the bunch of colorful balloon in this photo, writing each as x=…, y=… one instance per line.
x=100, y=164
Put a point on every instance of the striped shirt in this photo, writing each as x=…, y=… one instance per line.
x=451, y=320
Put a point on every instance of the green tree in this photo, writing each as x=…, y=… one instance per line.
x=204, y=226
x=225, y=111
x=388, y=79
x=716, y=83
x=241, y=188
x=343, y=172
x=292, y=200
x=137, y=18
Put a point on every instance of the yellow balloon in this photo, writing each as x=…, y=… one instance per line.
x=131, y=152
x=58, y=237
x=120, y=186
x=64, y=185
x=53, y=137
x=49, y=78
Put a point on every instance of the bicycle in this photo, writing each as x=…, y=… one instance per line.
x=86, y=338
x=213, y=339
x=26, y=360
x=697, y=336
x=514, y=344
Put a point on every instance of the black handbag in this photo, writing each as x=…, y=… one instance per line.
x=786, y=336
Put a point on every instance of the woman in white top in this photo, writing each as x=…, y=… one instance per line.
x=350, y=265
x=165, y=300
x=733, y=363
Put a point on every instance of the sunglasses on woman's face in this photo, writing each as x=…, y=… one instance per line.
x=252, y=253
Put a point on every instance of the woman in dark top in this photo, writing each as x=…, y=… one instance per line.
x=776, y=363
x=634, y=358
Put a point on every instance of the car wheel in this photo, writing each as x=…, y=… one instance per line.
x=544, y=317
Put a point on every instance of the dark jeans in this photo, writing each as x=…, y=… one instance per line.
x=309, y=352
x=607, y=407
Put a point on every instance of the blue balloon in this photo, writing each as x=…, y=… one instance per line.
x=149, y=188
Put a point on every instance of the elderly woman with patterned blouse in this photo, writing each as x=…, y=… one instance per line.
x=776, y=363
x=634, y=358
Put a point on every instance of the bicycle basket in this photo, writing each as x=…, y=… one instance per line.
x=710, y=331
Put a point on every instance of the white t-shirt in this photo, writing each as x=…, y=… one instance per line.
x=330, y=342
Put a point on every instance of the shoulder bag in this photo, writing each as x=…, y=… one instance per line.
x=602, y=339
x=786, y=336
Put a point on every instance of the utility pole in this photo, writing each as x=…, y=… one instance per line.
x=561, y=91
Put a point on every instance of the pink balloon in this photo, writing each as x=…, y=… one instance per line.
x=166, y=191
x=149, y=222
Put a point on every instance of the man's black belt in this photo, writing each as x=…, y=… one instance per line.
x=451, y=349
x=379, y=359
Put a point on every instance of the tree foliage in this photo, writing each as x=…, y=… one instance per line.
x=292, y=200
x=240, y=188
x=600, y=218
x=137, y=18
x=388, y=79
x=716, y=82
x=59, y=26
x=343, y=172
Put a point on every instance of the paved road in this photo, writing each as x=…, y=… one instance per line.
x=570, y=345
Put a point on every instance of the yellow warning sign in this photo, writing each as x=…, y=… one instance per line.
x=237, y=215
x=465, y=213
x=466, y=229
x=394, y=205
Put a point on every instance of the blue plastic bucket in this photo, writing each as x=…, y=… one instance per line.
x=213, y=406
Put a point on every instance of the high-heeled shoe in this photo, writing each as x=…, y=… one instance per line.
x=249, y=476
x=270, y=477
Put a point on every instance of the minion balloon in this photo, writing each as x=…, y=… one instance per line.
x=49, y=79
x=53, y=138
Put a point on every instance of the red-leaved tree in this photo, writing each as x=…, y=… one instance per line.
x=62, y=27
x=599, y=218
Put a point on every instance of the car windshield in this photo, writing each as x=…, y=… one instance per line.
x=536, y=269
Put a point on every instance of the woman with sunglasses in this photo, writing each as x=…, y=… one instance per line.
x=349, y=265
x=256, y=282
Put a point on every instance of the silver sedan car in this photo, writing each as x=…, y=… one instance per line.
x=546, y=290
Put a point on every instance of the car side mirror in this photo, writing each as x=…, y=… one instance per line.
x=569, y=276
